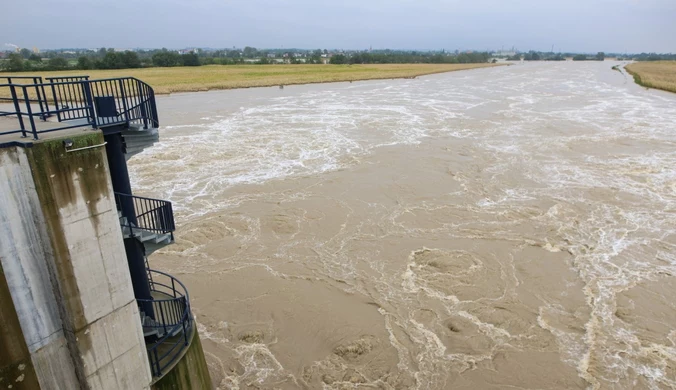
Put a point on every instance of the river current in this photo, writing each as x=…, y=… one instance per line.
x=509, y=227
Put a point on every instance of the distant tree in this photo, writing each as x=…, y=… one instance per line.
x=557, y=57
x=600, y=56
x=357, y=58
x=14, y=63
x=25, y=53
x=84, y=63
x=580, y=57
x=515, y=57
x=250, y=52
x=531, y=56
x=208, y=61
x=57, y=63
x=191, y=59
x=338, y=59
x=129, y=59
x=112, y=60
x=167, y=58
x=35, y=58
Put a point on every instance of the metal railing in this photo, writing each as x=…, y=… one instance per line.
x=41, y=96
x=149, y=214
x=173, y=320
x=78, y=102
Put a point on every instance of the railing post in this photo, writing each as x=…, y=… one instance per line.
x=56, y=101
x=90, y=102
x=18, y=109
x=164, y=321
x=153, y=107
x=42, y=87
x=185, y=332
x=30, y=112
x=124, y=102
x=157, y=363
x=37, y=92
x=142, y=104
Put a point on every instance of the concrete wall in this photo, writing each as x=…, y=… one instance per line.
x=16, y=368
x=190, y=372
x=64, y=263
x=24, y=253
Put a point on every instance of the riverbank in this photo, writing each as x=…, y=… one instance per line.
x=215, y=77
x=657, y=74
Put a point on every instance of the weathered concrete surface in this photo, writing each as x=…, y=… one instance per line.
x=24, y=246
x=190, y=372
x=98, y=309
x=68, y=289
x=16, y=370
x=25, y=252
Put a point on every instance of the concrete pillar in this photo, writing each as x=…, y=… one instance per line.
x=64, y=264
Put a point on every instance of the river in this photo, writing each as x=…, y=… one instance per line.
x=510, y=227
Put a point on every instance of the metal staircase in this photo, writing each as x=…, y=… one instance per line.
x=136, y=139
x=169, y=329
x=150, y=221
x=152, y=240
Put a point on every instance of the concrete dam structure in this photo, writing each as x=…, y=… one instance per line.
x=79, y=307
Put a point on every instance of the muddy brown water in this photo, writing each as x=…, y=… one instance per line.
x=512, y=227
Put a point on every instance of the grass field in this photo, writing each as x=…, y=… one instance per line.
x=658, y=74
x=204, y=78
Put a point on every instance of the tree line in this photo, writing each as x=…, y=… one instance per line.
x=111, y=59
x=409, y=58
x=103, y=59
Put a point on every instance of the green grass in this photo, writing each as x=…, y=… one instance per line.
x=203, y=78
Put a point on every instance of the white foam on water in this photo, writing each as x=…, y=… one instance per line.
x=603, y=153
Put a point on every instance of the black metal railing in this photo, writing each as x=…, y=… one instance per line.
x=77, y=102
x=149, y=214
x=171, y=327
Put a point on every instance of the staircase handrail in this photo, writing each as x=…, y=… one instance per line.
x=173, y=316
x=155, y=215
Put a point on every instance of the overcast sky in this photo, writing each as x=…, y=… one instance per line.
x=569, y=25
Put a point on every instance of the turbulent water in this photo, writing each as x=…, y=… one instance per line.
x=511, y=227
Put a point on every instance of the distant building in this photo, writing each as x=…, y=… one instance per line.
x=505, y=53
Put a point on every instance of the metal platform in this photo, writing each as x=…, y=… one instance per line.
x=32, y=109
